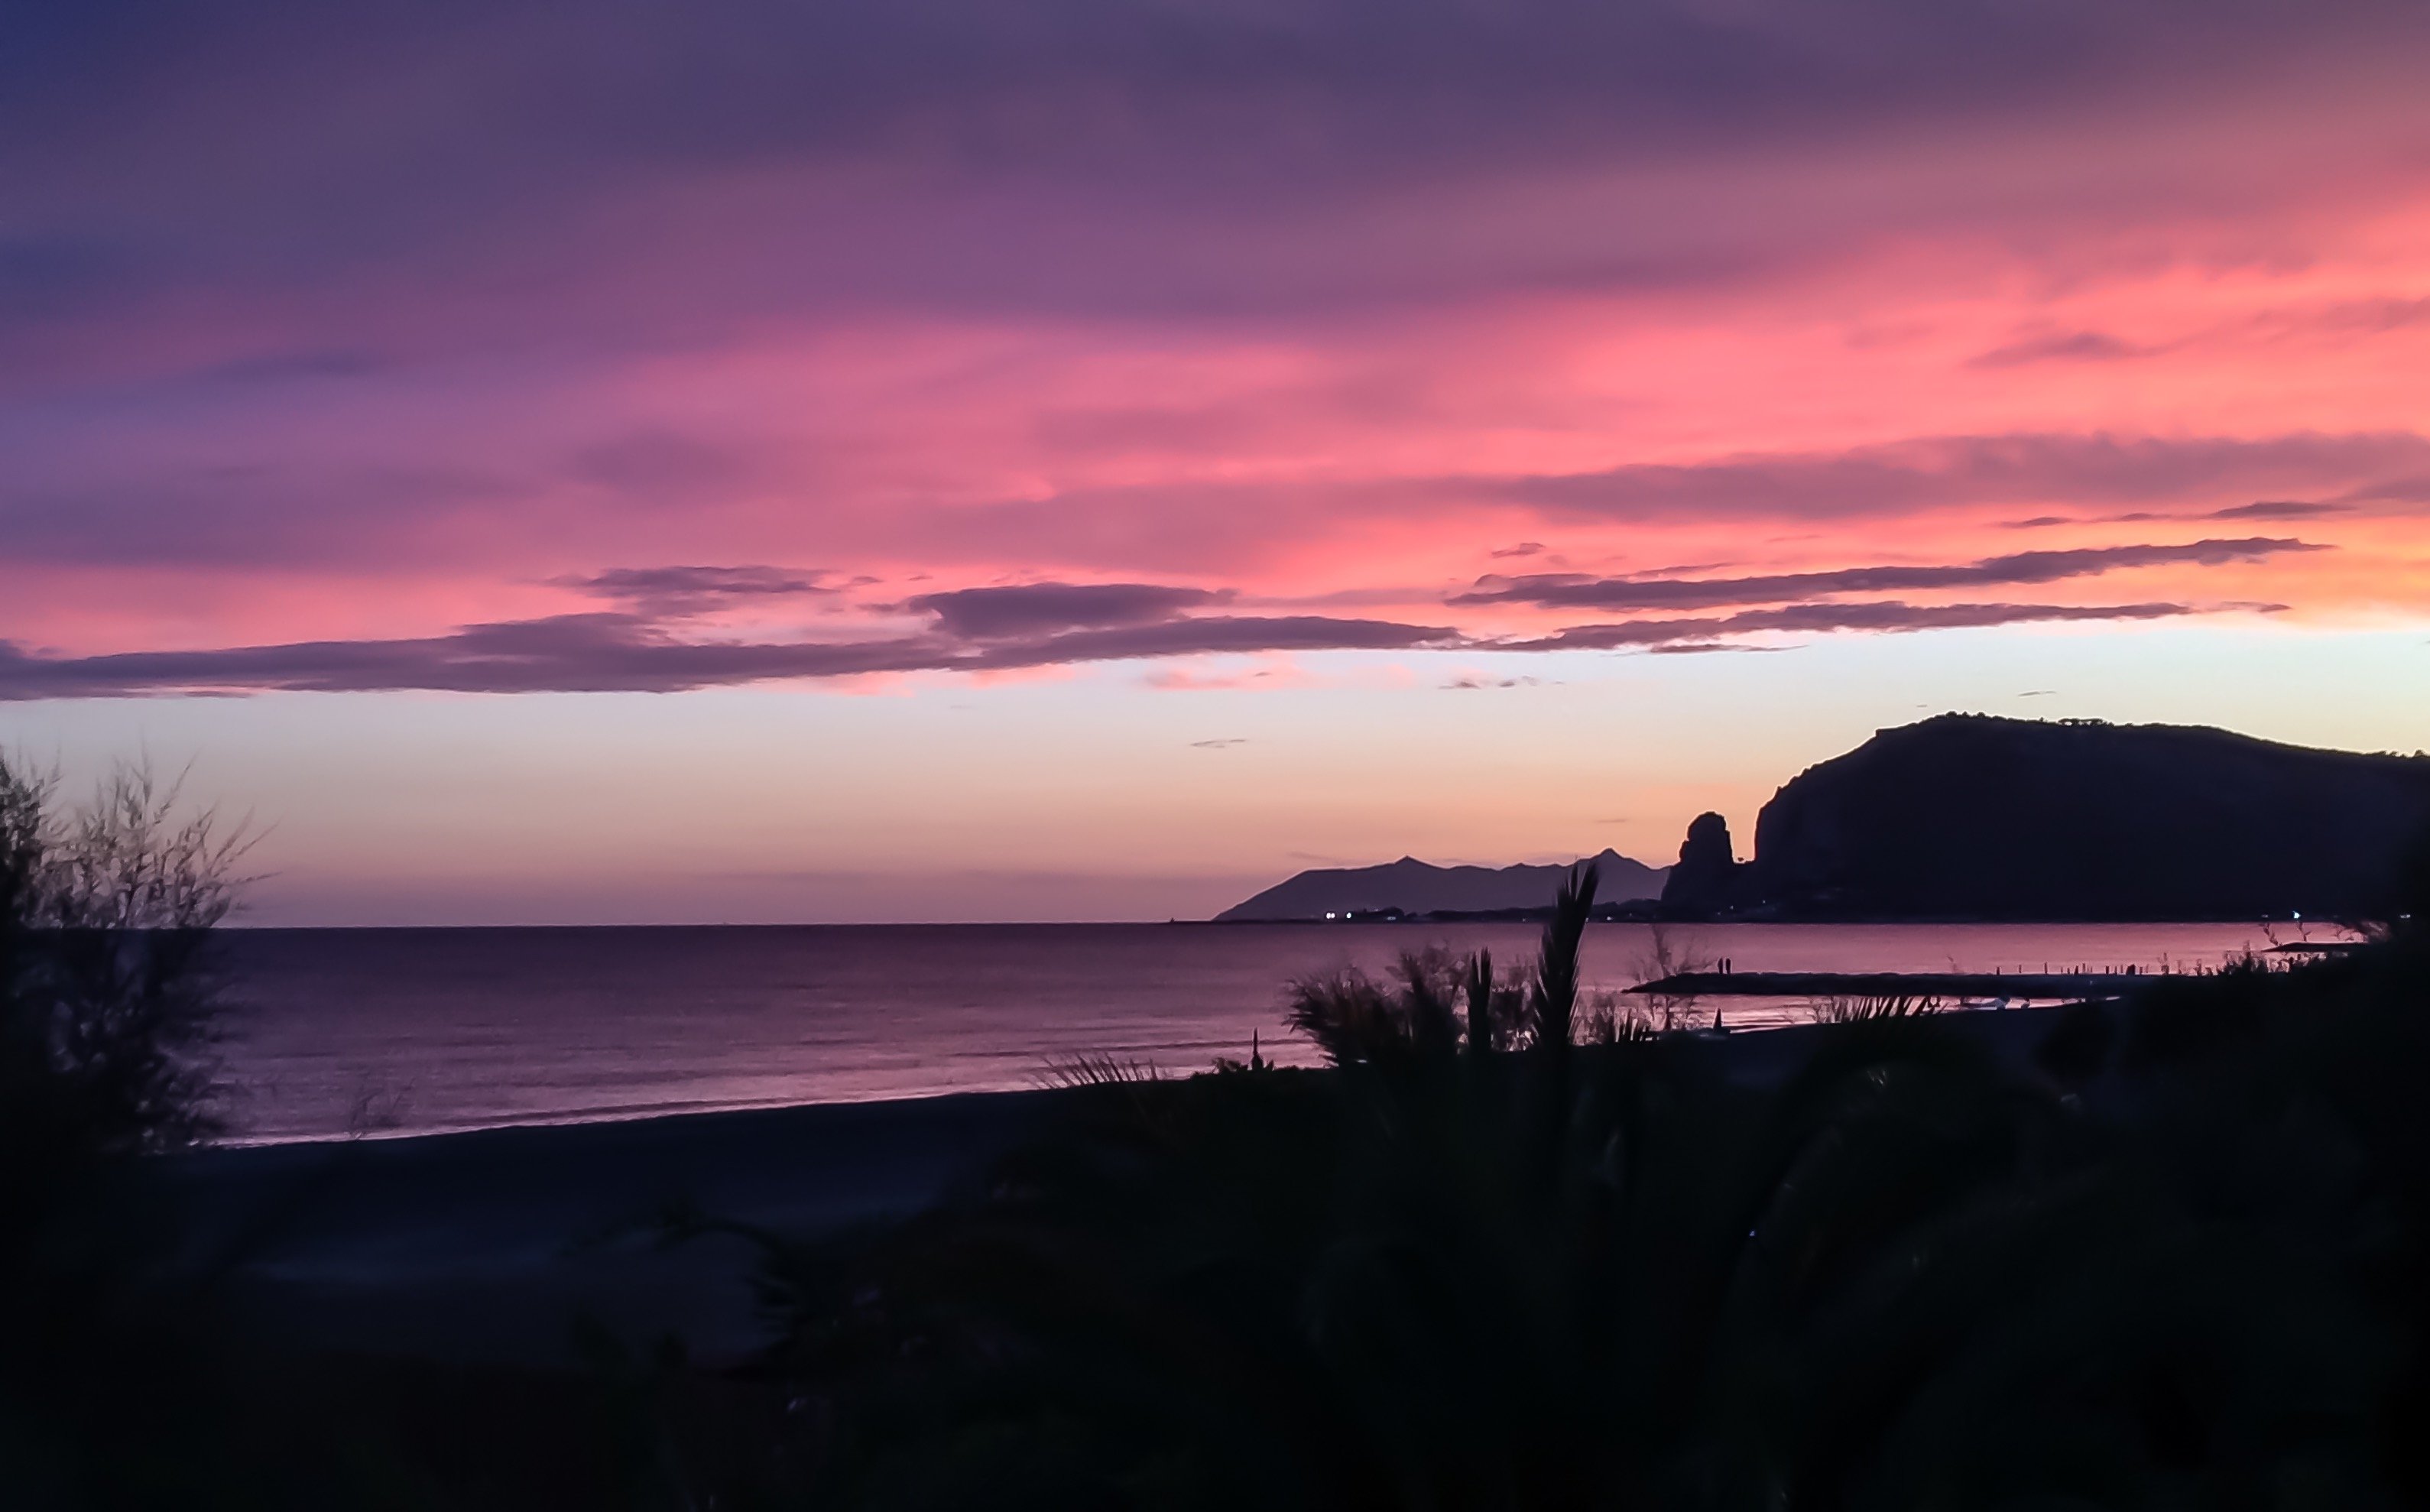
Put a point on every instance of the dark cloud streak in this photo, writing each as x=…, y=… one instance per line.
x=1033, y=609
x=2278, y=509
x=2073, y=346
x=2032, y=567
x=679, y=591
x=2259, y=509
x=1886, y=617
x=1936, y=472
x=626, y=653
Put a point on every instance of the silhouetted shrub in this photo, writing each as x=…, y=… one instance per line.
x=1435, y=1003
x=111, y=994
x=1911, y=1273
x=1858, y=1009
x=109, y=1000
x=2078, y=1045
x=1354, y=1017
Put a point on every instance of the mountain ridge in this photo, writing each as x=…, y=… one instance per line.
x=1418, y=886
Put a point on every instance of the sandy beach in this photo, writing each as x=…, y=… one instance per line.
x=488, y=1246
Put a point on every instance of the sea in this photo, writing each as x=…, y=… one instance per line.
x=372, y=1033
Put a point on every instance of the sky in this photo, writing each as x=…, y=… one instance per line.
x=960, y=460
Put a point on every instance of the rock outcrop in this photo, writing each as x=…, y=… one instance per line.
x=1971, y=817
x=1705, y=881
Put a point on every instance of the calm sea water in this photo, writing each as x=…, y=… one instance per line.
x=419, y=1030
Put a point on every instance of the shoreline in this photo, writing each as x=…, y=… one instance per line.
x=1494, y=916
x=579, y=1120
x=487, y=1245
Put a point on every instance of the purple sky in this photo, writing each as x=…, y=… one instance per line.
x=1127, y=428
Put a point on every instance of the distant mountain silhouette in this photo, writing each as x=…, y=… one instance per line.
x=1971, y=817
x=1415, y=887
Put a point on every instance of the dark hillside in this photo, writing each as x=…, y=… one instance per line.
x=1970, y=817
x=1414, y=886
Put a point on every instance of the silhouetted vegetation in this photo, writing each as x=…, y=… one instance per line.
x=109, y=1004
x=1512, y=1247
x=2174, y=1252
x=1436, y=1003
x=1858, y=1009
x=115, y=997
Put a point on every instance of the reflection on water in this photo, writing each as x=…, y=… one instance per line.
x=409, y=1030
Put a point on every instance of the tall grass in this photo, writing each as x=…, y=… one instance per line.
x=1911, y=1272
x=1556, y=997
x=1434, y=1004
x=1100, y=1069
x=1867, y=1009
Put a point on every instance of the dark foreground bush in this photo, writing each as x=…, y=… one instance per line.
x=110, y=1007
x=2182, y=1261
x=2170, y=1254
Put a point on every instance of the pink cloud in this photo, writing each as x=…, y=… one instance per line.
x=1276, y=335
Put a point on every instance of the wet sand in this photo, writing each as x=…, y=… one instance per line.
x=489, y=1245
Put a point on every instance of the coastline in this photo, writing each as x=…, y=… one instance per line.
x=381, y=1033
x=488, y=1246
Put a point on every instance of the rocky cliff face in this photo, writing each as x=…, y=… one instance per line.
x=1969, y=816
x=1706, y=878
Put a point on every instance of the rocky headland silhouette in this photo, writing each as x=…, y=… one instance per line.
x=1971, y=817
